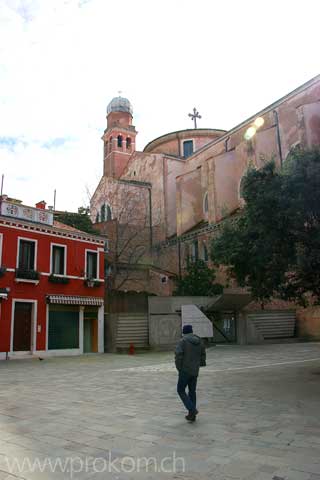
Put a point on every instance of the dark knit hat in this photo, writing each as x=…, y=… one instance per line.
x=187, y=329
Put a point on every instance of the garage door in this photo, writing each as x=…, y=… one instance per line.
x=132, y=328
x=274, y=324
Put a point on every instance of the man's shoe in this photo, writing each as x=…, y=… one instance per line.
x=191, y=417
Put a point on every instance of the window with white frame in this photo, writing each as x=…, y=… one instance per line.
x=92, y=264
x=58, y=260
x=187, y=148
x=27, y=254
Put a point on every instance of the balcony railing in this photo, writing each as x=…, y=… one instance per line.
x=58, y=279
x=24, y=274
x=90, y=282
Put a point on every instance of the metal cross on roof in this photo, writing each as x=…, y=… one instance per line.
x=194, y=116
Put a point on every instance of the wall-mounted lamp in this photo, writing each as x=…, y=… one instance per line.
x=252, y=130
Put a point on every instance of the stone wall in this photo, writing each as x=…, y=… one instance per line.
x=165, y=319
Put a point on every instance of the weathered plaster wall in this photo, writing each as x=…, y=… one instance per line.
x=228, y=158
x=311, y=116
x=150, y=168
x=179, y=185
x=189, y=201
x=129, y=203
x=309, y=322
x=173, y=168
x=172, y=143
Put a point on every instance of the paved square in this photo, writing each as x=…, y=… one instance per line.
x=101, y=417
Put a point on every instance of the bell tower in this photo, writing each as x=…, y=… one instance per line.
x=119, y=138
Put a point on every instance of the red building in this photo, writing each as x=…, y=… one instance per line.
x=51, y=284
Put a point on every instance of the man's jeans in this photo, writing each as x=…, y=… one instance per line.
x=189, y=400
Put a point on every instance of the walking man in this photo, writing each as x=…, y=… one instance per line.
x=190, y=355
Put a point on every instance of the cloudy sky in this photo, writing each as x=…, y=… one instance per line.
x=62, y=61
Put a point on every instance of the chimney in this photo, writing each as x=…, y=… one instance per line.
x=41, y=205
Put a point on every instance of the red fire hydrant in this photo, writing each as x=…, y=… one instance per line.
x=131, y=349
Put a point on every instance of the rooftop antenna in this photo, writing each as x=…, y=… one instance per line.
x=54, y=200
x=2, y=180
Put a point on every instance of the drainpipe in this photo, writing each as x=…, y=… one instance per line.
x=179, y=258
x=179, y=146
x=276, y=118
x=1, y=192
x=150, y=216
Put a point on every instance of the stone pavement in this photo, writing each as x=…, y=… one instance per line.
x=103, y=416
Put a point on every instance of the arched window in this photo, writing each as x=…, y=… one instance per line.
x=186, y=253
x=128, y=143
x=103, y=213
x=195, y=250
x=106, y=148
x=205, y=254
x=241, y=185
x=205, y=204
x=119, y=141
x=110, y=144
x=109, y=214
x=97, y=218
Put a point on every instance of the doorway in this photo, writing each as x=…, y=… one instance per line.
x=22, y=327
x=90, y=335
x=224, y=326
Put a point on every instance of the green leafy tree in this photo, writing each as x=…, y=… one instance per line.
x=274, y=247
x=80, y=220
x=198, y=280
x=302, y=187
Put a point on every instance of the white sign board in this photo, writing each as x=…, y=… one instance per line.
x=191, y=315
x=30, y=214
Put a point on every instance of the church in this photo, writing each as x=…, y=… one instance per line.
x=164, y=204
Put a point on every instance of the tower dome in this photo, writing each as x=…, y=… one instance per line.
x=119, y=104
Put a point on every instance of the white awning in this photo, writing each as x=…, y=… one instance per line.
x=74, y=300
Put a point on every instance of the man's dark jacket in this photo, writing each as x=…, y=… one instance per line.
x=190, y=354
